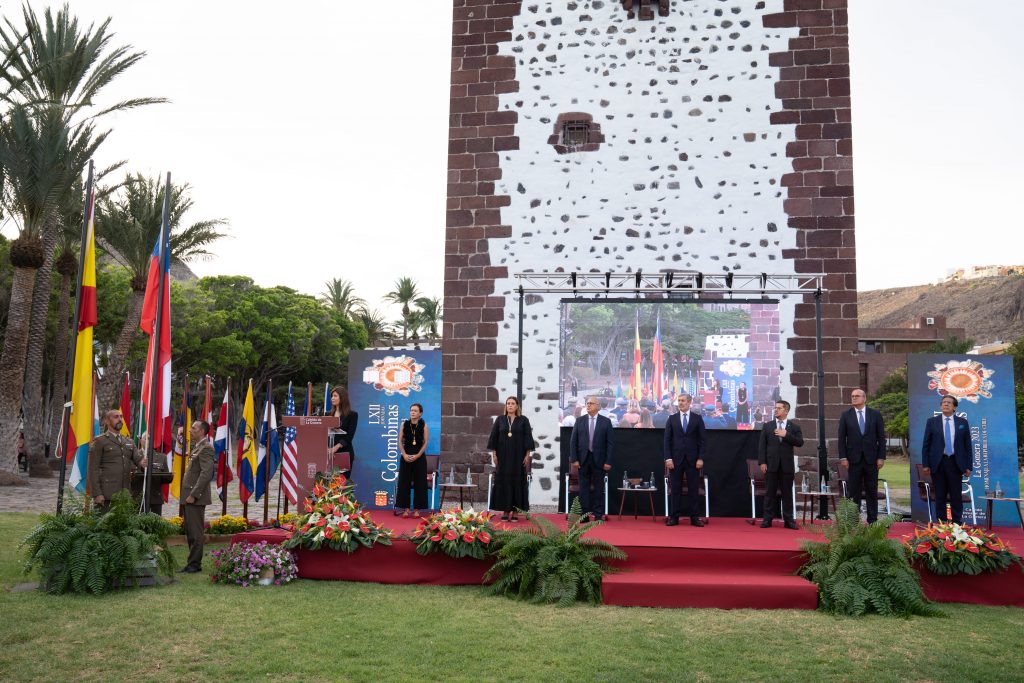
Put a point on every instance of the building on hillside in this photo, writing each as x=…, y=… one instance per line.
x=976, y=272
x=880, y=350
x=595, y=136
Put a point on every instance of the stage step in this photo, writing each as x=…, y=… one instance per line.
x=696, y=588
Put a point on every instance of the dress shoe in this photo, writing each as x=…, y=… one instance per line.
x=504, y=517
x=696, y=521
x=189, y=570
x=791, y=525
x=766, y=524
x=671, y=521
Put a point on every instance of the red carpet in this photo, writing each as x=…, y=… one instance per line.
x=728, y=564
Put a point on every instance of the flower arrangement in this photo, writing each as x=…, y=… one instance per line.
x=335, y=519
x=226, y=525
x=247, y=564
x=457, y=533
x=178, y=522
x=950, y=548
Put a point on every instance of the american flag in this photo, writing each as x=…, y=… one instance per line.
x=289, y=464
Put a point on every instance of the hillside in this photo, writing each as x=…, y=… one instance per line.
x=989, y=309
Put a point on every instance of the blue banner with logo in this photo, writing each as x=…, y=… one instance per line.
x=382, y=385
x=983, y=387
x=735, y=376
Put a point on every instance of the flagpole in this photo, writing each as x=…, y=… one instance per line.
x=184, y=445
x=309, y=398
x=165, y=229
x=280, y=463
x=266, y=457
x=70, y=365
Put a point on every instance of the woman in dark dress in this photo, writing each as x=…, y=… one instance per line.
x=412, y=468
x=342, y=443
x=742, y=404
x=511, y=446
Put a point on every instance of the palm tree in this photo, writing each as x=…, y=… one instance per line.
x=55, y=71
x=341, y=296
x=128, y=227
x=404, y=293
x=375, y=324
x=430, y=315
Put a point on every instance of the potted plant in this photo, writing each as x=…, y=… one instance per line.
x=253, y=564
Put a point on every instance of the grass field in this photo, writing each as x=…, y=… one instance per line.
x=193, y=630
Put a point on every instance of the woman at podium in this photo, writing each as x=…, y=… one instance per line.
x=511, y=445
x=412, y=468
x=341, y=442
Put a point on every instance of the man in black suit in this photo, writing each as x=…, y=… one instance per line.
x=775, y=455
x=685, y=443
x=946, y=455
x=862, y=451
x=590, y=456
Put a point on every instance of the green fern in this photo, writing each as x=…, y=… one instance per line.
x=84, y=552
x=860, y=570
x=544, y=564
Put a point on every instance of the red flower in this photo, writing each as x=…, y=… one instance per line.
x=950, y=546
x=943, y=535
x=318, y=490
x=328, y=508
x=329, y=532
x=344, y=526
x=972, y=548
x=436, y=538
x=467, y=537
x=305, y=528
x=451, y=535
x=309, y=506
x=923, y=548
x=484, y=537
x=322, y=522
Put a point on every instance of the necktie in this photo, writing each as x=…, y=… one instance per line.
x=949, y=437
x=782, y=426
x=686, y=420
x=592, y=421
x=860, y=418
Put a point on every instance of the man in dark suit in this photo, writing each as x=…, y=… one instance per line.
x=775, y=456
x=862, y=451
x=195, y=491
x=590, y=456
x=684, y=447
x=946, y=455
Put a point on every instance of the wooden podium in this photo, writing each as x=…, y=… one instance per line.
x=312, y=454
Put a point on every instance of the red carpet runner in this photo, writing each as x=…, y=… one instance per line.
x=728, y=564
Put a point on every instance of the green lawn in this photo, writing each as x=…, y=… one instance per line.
x=308, y=630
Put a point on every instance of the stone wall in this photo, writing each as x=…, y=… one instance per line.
x=725, y=146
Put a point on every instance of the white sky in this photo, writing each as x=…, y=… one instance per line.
x=319, y=130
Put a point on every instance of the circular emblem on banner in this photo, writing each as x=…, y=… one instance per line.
x=966, y=380
x=733, y=367
x=395, y=375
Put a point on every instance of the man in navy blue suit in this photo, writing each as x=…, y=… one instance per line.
x=946, y=455
x=862, y=451
x=685, y=443
x=590, y=456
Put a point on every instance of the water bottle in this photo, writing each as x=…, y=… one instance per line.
x=625, y=479
x=451, y=475
x=653, y=485
x=803, y=485
x=999, y=490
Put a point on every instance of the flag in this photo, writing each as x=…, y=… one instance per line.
x=182, y=446
x=80, y=427
x=156, y=390
x=636, y=358
x=247, y=448
x=675, y=382
x=618, y=389
x=207, y=414
x=658, y=359
x=220, y=446
x=126, y=406
x=267, y=457
x=290, y=454
x=327, y=398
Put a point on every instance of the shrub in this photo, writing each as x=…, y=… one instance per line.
x=859, y=570
x=546, y=564
x=247, y=564
x=226, y=525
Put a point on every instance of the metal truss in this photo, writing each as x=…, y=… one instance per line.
x=670, y=284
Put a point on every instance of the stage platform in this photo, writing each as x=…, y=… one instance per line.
x=728, y=564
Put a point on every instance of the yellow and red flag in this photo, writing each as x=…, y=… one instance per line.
x=81, y=426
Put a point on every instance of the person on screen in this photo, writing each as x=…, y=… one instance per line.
x=862, y=451
x=590, y=456
x=342, y=442
x=568, y=417
x=742, y=404
x=684, y=446
x=412, y=467
x=946, y=456
x=511, y=445
x=607, y=392
x=775, y=457
x=646, y=419
x=632, y=417
x=620, y=408
x=661, y=415
x=715, y=418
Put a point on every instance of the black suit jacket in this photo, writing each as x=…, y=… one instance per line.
x=579, y=441
x=855, y=447
x=935, y=442
x=774, y=451
x=685, y=447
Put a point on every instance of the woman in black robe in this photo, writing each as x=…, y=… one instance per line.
x=341, y=407
x=511, y=446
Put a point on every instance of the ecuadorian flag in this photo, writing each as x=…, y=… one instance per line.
x=81, y=429
x=247, y=463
